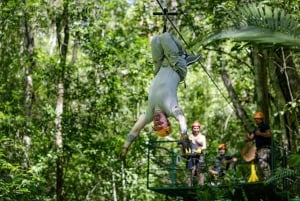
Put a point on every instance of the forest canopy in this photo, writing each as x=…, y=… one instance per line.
x=75, y=77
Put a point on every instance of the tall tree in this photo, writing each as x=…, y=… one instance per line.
x=268, y=28
x=62, y=27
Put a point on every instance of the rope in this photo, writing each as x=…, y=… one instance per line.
x=213, y=81
x=173, y=25
x=182, y=38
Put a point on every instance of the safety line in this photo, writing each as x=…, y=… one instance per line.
x=173, y=25
x=182, y=38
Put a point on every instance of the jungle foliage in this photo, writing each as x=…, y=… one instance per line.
x=74, y=77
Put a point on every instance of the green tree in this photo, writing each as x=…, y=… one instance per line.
x=272, y=33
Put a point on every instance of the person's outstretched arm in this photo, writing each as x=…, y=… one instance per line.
x=135, y=131
x=266, y=134
x=178, y=114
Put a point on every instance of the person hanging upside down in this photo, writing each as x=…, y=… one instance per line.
x=171, y=61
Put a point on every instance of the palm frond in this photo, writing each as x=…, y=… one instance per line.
x=255, y=35
x=266, y=17
x=282, y=173
x=262, y=24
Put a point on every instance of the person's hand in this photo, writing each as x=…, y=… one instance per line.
x=258, y=133
x=200, y=144
x=250, y=136
x=123, y=153
x=214, y=173
x=199, y=150
x=184, y=142
x=234, y=159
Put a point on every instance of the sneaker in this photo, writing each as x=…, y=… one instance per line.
x=190, y=59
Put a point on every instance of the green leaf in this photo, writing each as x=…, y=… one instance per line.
x=261, y=24
x=255, y=35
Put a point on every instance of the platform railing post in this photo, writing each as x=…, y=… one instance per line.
x=172, y=173
x=148, y=163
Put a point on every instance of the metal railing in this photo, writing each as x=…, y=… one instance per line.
x=167, y=167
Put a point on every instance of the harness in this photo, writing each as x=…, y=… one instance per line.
x=166, y=14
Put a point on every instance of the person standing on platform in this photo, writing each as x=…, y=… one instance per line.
x=262, y=137
x=196, y=158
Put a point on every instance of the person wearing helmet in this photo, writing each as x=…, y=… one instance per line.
x=196, y=158
x=220, y=165
x=171, y=62
x=262, y=137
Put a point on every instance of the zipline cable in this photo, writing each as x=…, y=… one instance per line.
x=182, y=38
x=173, y=25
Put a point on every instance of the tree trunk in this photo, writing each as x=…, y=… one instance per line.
x=261, y=81
x=29, y=42
x=62, y=24
x=114, y=189
x=123, y=176
x=239, y=110
x=59, y=143
x=288, y=80
x=279, y=103
x=29, y=66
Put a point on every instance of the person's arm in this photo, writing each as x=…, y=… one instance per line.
x=233, y=159
x=212, y=171
x=135, y=131
x=178, y=114
x=266, y=134
x=202, y=143
x=249, y=136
